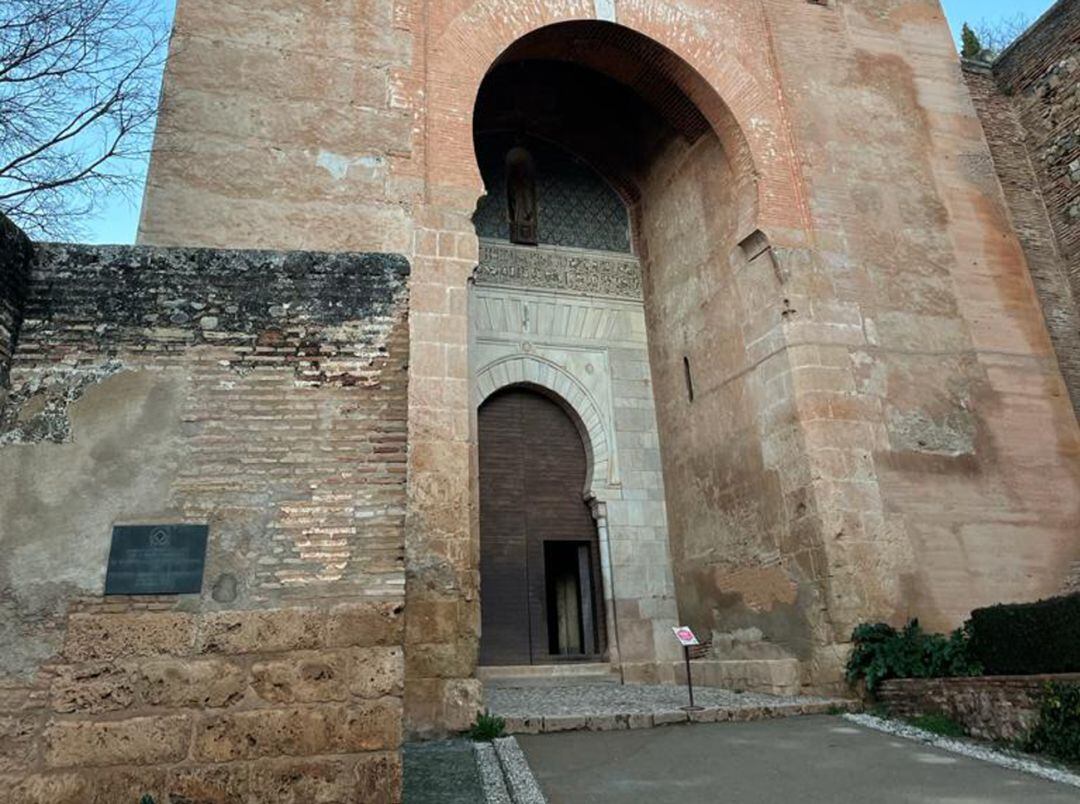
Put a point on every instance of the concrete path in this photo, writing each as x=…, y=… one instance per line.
x=811, y=759
x=603, y=707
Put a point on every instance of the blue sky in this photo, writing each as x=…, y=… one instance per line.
x=119, y=216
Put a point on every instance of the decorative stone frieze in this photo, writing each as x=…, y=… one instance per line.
x=590, y=272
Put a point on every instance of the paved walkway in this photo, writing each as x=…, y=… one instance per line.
x=602, y=707
x=814, y=759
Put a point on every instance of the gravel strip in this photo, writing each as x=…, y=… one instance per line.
x=967, y=749
x=518, y=774
x=581, y=700
x=491, y=774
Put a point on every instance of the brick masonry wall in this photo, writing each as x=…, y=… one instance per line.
x=1041, y=73
x=262, y=393
x=15, y=256
x=989, y=707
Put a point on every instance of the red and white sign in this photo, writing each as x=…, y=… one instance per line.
x=685, y=636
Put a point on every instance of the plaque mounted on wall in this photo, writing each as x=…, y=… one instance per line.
x=156, y=560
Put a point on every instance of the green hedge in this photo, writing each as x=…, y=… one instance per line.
x=1027, y=638
x=881, y=652
x=1057, y=731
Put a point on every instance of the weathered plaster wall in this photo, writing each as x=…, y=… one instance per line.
x=261, y=393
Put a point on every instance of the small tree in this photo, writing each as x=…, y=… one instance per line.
x=971, y=46
x=79, y=83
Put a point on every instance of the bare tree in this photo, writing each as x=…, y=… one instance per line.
x=79, y=82
x=997, y=34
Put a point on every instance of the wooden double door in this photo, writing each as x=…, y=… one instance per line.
x=540, y=590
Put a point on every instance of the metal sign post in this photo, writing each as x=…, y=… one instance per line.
x=687, y=640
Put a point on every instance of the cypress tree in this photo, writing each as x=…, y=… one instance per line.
x=971, y=46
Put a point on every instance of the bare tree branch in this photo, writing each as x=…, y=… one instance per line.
x=79, y=82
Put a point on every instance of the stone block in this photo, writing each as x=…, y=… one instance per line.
x=302, y=677
x=449, y=660
x=100, y=786
x=606, y=722
x=208, y=683
x=17, y=741
x=375, y=672
x=237, y=632
x=524, y=725
x=299, y=731
x=136, y=741
x=324, y=676
x=462, y=699
x=431, y=621
x=93, y=688
x=639, y=722
x=93, y=637
x=669, y=717
x=365, y=624
x=565, y=723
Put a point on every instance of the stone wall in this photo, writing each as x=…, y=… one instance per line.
x=263, y=394
x=928, y=451
x=989, y=707
x=1028, y=102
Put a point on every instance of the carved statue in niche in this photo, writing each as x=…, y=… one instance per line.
x=521, y=196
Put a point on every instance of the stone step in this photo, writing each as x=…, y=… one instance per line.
x=548, y=675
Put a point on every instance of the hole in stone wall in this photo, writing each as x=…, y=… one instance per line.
x=689, y=379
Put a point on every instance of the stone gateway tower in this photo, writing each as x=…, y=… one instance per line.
x=487, y=334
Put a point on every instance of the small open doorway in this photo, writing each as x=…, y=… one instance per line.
x=540, y=591
x=571, y=617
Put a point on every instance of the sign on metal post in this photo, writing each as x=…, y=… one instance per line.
x=687, y=640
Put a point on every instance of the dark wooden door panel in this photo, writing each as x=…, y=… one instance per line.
x=532, y=474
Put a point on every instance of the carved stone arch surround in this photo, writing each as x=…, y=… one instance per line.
x=529, y=370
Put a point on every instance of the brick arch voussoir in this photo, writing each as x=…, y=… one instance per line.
x=740, y=109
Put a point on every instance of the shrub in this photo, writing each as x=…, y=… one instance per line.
x=1057, y=731
x=1028, y=638
x=487, y=727
x=882, y=652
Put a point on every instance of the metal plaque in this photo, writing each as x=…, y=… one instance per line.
x=156, y=559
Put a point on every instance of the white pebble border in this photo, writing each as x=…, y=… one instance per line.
x=967, y=749
x=491, y=774
x=519, y=778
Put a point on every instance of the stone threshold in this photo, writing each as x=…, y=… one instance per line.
x=670, y=717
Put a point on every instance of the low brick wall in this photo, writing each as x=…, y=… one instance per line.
x=989, y=707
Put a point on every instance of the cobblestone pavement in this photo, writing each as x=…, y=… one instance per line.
x=600, y=707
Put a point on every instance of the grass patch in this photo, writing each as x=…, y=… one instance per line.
x=941, y=725
x=487, y=727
